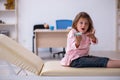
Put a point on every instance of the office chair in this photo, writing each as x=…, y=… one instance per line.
x=38, y=26
x=62, y=24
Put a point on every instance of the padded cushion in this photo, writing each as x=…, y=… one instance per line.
x=53, y=68
x=15, y=53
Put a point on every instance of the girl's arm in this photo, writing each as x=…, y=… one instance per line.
x=93, y=38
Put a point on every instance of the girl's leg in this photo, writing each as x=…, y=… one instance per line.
x=113, y=64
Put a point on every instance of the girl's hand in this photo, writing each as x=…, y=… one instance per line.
x=78, y=40
x=92, y=36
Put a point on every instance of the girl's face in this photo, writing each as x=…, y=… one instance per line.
x=82, y=25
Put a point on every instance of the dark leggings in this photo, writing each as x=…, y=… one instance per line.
x=89, y=61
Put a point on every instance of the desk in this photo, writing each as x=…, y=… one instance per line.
x=50, y=38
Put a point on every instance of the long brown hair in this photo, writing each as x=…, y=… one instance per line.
x=83, y=15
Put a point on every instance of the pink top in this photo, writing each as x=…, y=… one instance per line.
x=71, y=51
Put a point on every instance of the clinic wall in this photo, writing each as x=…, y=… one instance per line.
x=102, y=12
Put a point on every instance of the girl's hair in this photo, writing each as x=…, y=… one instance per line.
x=83, y=15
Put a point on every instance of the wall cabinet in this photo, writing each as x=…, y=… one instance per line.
x=118, y=27
x=9, y=18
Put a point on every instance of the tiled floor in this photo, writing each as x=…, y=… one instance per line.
x=6, y=68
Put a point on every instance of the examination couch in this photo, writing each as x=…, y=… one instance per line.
x=16, y=54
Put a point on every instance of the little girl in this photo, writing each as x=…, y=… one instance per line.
x=79, y=40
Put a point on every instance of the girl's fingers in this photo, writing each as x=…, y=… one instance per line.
x=93, y=31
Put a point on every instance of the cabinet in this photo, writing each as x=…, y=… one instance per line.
x=118, y=27
x=9, y=19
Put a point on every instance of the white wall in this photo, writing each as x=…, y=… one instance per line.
x=103, y=13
